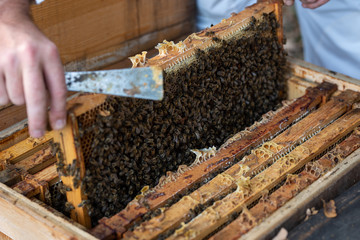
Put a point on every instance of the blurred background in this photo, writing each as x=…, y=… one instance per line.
x=292, y=33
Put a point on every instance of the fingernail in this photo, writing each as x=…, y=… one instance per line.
x=288, y=2
x=37, y=133
x=60, y=124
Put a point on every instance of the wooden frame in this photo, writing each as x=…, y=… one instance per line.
x=45, y=220
x=20, y=215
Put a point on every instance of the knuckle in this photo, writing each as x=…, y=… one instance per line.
x=10, y=58
x=7, y=59
x=28, y=50
x=52, y=50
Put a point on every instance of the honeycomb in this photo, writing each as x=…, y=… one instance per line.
x=131, y=143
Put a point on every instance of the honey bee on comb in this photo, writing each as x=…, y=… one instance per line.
x=227, y=87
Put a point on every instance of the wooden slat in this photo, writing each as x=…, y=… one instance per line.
x=67, y=138
x=4, y=237
x=294, y=185
x=21, y=218
x=297, y=86
x=284, y=117
x=9, y=176
x=259, y=158
x=318, y=74
x=23, y=149
x=299, y=132
x=279, y=17
x=226, y=29
x=29, y=165
x=220, y=211
x=14, y=134
x=11, y=115
x=37, y=183
x=38, y=161
x=82, y=102
x=329, y=186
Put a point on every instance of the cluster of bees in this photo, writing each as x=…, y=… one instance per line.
x=227, y=88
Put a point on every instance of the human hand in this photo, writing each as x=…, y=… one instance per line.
x=31, y=71
x=307, y=3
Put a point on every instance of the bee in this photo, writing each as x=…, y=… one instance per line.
x=84, y=203
x=69, y=207
x=210, y=33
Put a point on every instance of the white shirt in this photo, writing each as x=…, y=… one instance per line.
x=213, y=11
x=331, y=35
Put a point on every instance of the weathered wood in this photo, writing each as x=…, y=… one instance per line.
x=11, y=115
x=38, y=183
x=293, y=185
x=14, y=134
x=21, y=218
x=83, y=102
x=4, y=237
x=23, y=149
x=279, y=17
x=58, y=214
x=38, y=164
x=257, y=160
x=300, y=132
x=328, y=186
x=9, y=176
x=68, y=138
x=220, y=211
x=93, y=33
x=235, y=147
x=318, y=74
x=226, y=29
x=37, y=161
x=297, y=86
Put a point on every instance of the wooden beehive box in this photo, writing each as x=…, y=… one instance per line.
x=25, y=217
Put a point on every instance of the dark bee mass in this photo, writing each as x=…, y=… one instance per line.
x=226, y=89
x=58, y=197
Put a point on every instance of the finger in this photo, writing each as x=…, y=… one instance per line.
x=13, y=82
x=3, y=94
x=315, y=5
x=55, y=81
x=289, y=2
x=35, y=96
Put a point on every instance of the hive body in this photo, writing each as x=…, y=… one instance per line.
x=213, y=95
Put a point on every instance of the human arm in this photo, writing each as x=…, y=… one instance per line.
x=31, y=71
x=307, y=3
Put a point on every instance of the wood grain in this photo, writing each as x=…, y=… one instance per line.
x=256, y=161
x=92, y=29
x=67, y=138
x=23, y=149
x=216, y=215
x=235, y=148
x=21, y=218
x=328, y=186
x=293, y=186
x=318, y=74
